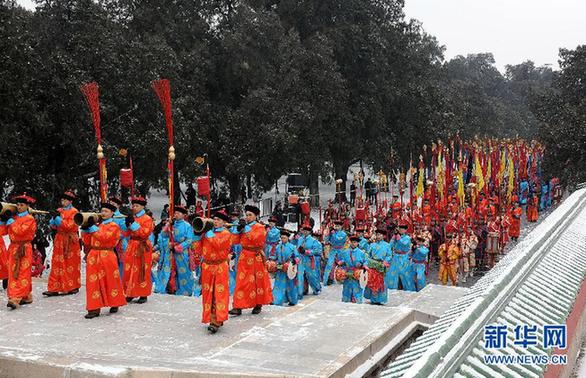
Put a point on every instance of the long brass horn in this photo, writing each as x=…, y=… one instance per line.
x=201, y=224
x=7, y=206
x=12, y=207
x=81, y=219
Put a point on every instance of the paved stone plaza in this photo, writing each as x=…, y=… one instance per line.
x=164, y=338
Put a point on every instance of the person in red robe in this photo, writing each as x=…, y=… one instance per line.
x=215, y=289
x=517, y=213
x=532, y=208
x=3, y=256
x=66, y=261
x=102, y=279
x=253, y=285
x=139, y=253
x=21, y=229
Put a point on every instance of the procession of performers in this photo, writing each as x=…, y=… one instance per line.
x=460, y=217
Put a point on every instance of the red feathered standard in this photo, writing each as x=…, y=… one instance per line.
x=92, y=97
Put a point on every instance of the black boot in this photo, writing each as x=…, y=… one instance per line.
x=113, y=310
x=74, y=291
x=235, y=311
x=213, y=329
x=50, y=293
x=257, y=309
x=142, y=300
x=92, y=314
x=129, y=299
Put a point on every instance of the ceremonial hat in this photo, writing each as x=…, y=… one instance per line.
x=253, y=209
x=139, y=200
x=354, y=237
x=221, y=214
x=235, y=213
x=108, y=205
x=24, y=198
x=359, y=228
x=403, y=224
x=181, y=209
x=338, y=221
x=307, y=227
x=69, y=195
x=116, y=200
x=285, y=232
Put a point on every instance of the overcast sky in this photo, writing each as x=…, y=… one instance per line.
x=513, y=30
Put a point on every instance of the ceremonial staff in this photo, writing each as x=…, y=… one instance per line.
x=162, y=88
x=91, y=94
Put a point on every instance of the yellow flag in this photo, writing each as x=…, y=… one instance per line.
x=419, y=191
x=501, y=172
x=461, y=192
x=478, y=174
x=511, y=173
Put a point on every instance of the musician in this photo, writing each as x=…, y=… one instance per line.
x=378, y=261
x=449, y=254
x=215, y=294
x=182, y=237
x=401, y=265
x=516, y=214
x=21, y=228
x=66, y=261
x=352, y=259
x=285, y=289
x=235, y=249
x=337, y=240
x=253, y=285
x=363, y=243
x=138, y=259
x=124, y=233
x=103, y=285
x=273, y=237
x=419, y=261
x=310, y=251
x=3, y=255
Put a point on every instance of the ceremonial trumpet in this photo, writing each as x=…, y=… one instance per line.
x=201, y=224
x=81, y=219
x=12, y=207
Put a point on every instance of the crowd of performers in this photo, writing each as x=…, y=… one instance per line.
x=461, y=216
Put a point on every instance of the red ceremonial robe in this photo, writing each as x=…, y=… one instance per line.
x=102, y=280
x=20, y=252
x=253, y=285
x=215, y=290
x=66, y=260
x=138, y=259
x=3, y=254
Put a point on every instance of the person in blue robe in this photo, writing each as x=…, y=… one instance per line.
x=352, y=259
x=400, y=263
x=285, y=290
x=379, y=257
x=337, y=241
x=310, y=251
x=419, y=261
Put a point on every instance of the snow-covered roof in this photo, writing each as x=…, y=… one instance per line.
x=535, y=284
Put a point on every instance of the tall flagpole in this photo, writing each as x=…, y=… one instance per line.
x=162, y=88
x=91, y=94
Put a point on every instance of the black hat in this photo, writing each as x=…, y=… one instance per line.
x=253, y=209
x=307, y=227
x=139, y=200
x=116, y=200
x=108, y=205
x=181, y=209
x=221, y=214
x=285, y=232
x=68, y=195
x=354, y=238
